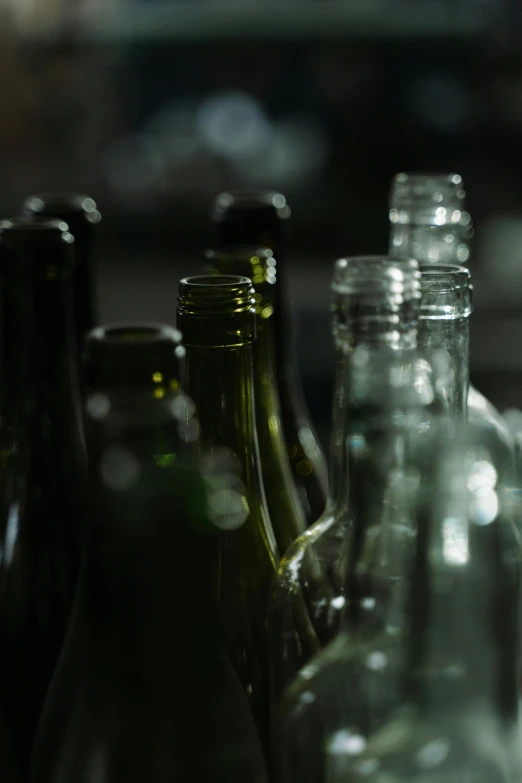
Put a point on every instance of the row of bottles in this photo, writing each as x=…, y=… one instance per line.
x=179, y=600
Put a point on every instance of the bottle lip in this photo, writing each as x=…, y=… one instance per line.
x=251, y=199
x=39, y=242
x=215, y=295
x=444, y=277
x=129, y=334
x=62, y=205
x=378, y=276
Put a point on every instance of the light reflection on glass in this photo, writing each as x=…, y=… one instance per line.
x=455, y=540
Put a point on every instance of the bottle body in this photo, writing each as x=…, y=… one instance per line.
x=145, y=689
x=219, y=380
x=42, y=498
x=259, y=218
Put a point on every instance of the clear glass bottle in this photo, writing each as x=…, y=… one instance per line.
x=376, y=303
x=260, y=218
x=284, y=507
x=81, y=214
x=145, y=689
x=353, y=685
x=429, y=223
x=459, y=716
x=42, y=474
x=216, y=315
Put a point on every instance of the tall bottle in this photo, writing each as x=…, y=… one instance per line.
x=284, y=507
x=217, y=319
x=460, y=715
x=8, y=765
x=351, y=686
x=260, y=218
x=429, y=223
x=82, y=216
x=145, y=689
x=376, y=303
x=42, y=502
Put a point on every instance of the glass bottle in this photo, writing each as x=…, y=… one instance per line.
x=216, y=316
x=42, y=475
x=376, y=303
x=145, y=689
x=8, y=765
x=260, y=218
x=286, y=513
x=429, y=223
x=459, y=718
x=81, y=215
x=351, y=686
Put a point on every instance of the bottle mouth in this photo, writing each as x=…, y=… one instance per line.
x=215, y=295
x=377, y=277
x=133, y=353
x=61, y=205
x=249, y=199
x=446, y=291
x=38, y=243
x=428, y=199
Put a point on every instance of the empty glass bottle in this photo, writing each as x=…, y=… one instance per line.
x=8, y=765
x=145, y=689
x=351, y=686
x=286, y=513
x=42, y=492
x=429, y=223
x=260, y=218
x=459, y=717
x=81, y=215
x=217, y=318
x=376, y=302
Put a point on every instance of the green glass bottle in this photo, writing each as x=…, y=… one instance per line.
x=459, y=717
x=145, y=689
x=8, y=765
x=82, y=216
x=286, y=513
x=376, y=304
x=42, y=475
x=217, y=318
x=260, y=218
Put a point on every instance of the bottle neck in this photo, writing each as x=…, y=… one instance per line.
x=39, y=354
x=430, y=244
x=220, y=383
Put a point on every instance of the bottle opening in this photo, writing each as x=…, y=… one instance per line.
x=216, y=294
x=446, y=291
x=444, y=277
x=133, y=333
x=33, y=225
x=249, y=198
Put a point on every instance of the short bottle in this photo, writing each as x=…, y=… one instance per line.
x=145, y=689
x=216, y=316
x=375, y=307
x=459, y=718
x=284, y=507
x=429, y=223
x=260, y=218
x=42, y=476
x=81, y=214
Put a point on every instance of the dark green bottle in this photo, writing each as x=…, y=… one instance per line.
x=8, y=765
x=42, y=502
x=217, y=319
x=260, y=218
x=282, y=499
x=81, y=215
x=145, y=690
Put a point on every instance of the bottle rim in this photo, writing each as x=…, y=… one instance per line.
x=444, y=277
x=63, y=203
x=248, y=199
x=216, y=295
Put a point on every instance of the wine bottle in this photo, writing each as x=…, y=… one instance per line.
x=282, y=499
x=145, y=689
x=42, y=474
x=376, y=303
x=429, y=223
x=260, y=218
x=459, y=718
x=216, y=316
x=82, y=216
x=8, y=765
x=355, y=683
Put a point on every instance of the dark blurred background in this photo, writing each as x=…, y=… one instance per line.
x=152, y=107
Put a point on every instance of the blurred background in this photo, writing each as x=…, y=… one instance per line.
x=153, y=106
